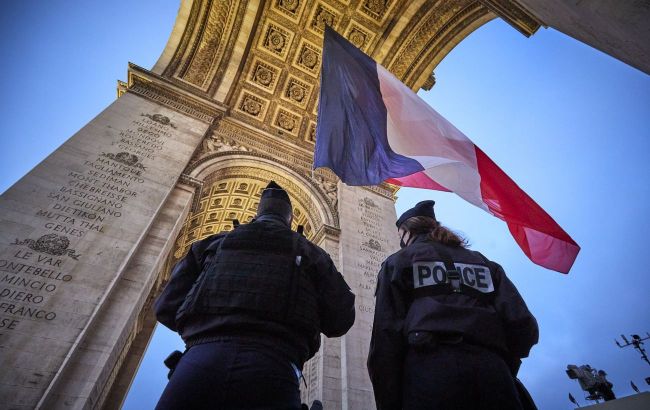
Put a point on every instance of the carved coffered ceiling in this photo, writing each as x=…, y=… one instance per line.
x=261, y=59
x=234, y=194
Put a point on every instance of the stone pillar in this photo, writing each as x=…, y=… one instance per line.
x=81, y=237
x=323, y=372
x=368, y=236
x=337, y=375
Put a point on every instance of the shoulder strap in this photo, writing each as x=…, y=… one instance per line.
x=294, y=270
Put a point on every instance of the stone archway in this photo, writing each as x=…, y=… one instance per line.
x=237, y=80
x=220, y=186
x=236, y=84
x=229, y=185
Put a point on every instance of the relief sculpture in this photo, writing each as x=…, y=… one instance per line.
x=330, y=189
x=216, y=143
x=125, y=158
x=51, y=244
x=159, y=118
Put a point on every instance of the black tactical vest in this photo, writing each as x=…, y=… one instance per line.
x=257, y=271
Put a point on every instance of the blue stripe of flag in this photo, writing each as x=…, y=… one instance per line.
x=351, y=136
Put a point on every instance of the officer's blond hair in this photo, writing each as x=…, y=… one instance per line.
x=437, y=232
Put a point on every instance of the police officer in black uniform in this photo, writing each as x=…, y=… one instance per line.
x=250, y=305
x=449, y=327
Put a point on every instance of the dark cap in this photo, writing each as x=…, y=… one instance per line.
x=422, y=208
x=274, y=200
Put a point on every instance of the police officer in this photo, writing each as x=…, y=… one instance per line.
x=250, y=305
x=449, y=326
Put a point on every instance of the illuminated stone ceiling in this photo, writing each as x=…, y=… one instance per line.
x=261, y=59
x=233, y=196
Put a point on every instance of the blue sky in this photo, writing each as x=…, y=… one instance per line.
x=568, y=123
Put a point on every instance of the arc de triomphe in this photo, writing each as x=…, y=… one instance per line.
x=89, y=235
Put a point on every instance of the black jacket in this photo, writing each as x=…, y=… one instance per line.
x=491, y=313
x=335, y=301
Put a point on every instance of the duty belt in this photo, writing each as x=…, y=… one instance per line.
x=423, y=339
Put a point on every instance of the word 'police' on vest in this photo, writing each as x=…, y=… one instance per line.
x=431, y=273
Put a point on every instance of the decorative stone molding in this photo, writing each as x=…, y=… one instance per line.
x=252, y=105
x=186, y=45
x=276, y=40
x=211, y=43
x=197, y=184
x=122, y=87
x=287, y=121
x=322, y=16
x=362, y=37
x=264, y=75
x=315, y=108
x=421, y=35
x=429, y=82
x=308, y=57
x=326, y=230
x=158, y=91
x=296, y=91
x=292, y=9
x=452, y=32
x=224, y=61
x=376, y=10
x=295, y=158
x=433, y=36
x=386, y=190
x=515, y=15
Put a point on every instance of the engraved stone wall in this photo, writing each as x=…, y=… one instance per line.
x=368, y=236
x=323, y=372
x=68, y=229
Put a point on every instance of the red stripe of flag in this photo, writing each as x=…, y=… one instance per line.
x=538, y=235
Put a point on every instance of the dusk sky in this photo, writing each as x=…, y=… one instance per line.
x=569, y=124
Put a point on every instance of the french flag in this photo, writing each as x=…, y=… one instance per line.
x=372, y=128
